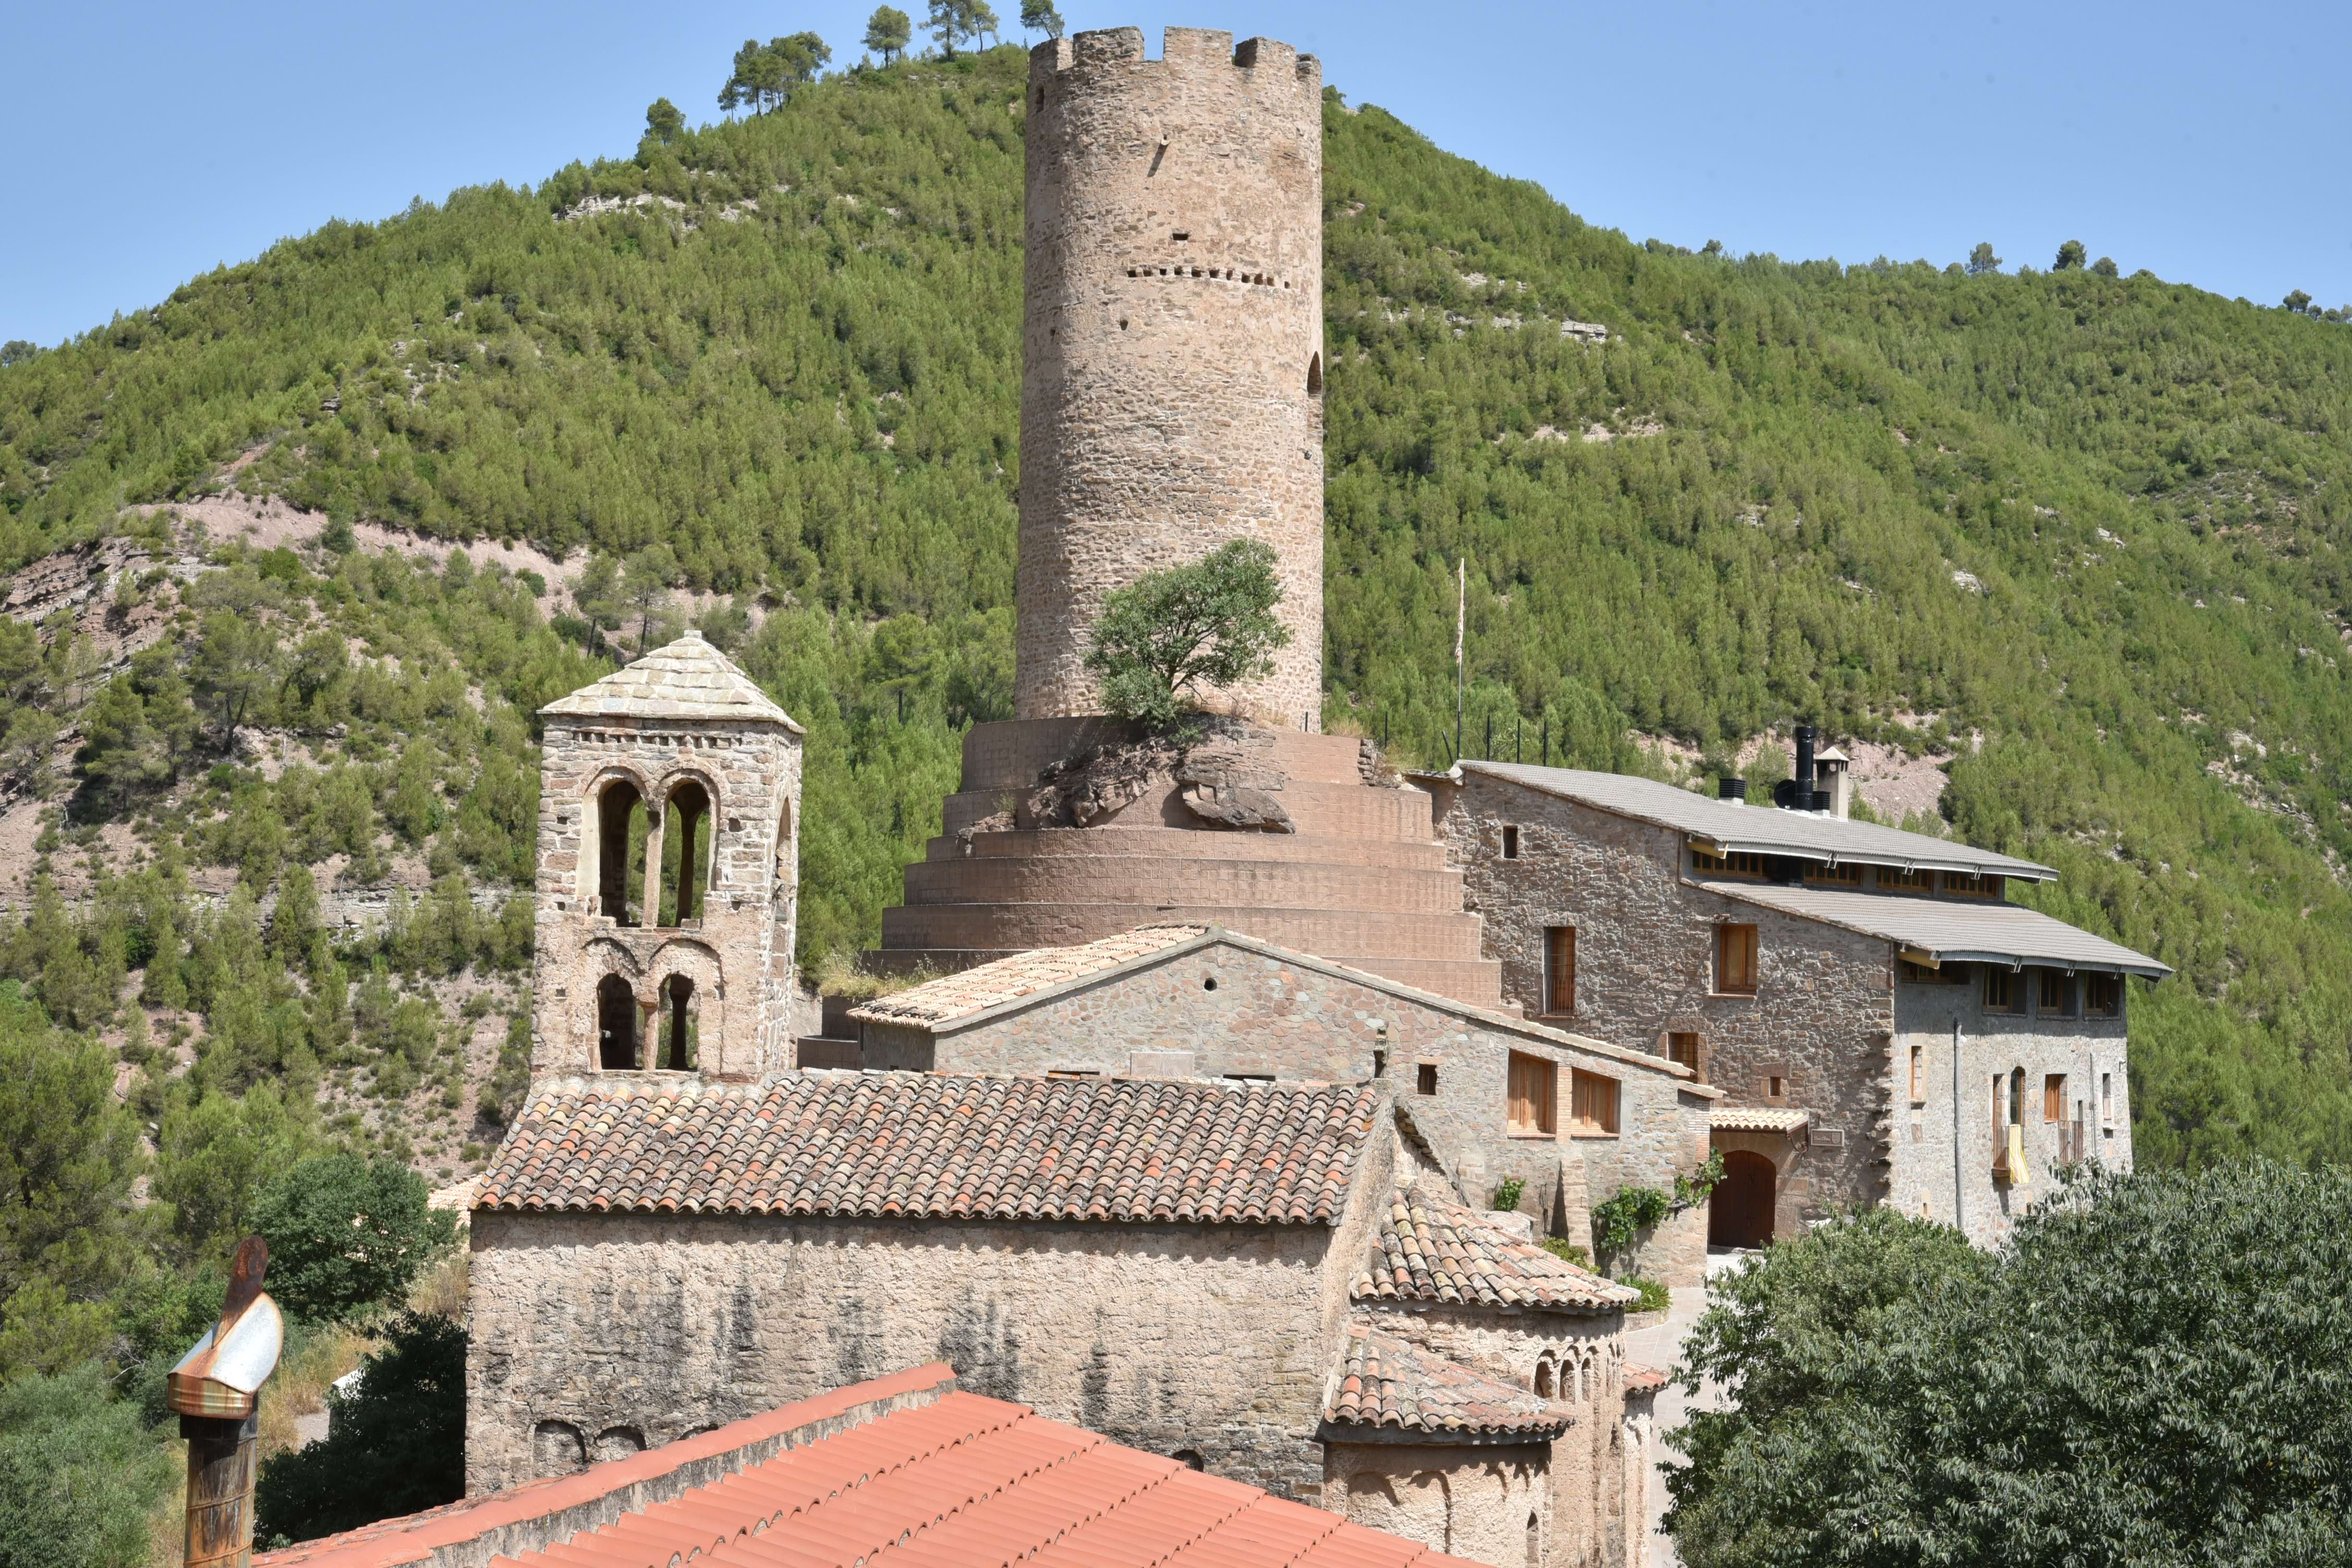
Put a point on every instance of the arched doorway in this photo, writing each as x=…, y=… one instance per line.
x=1740, y=1212
x=616, y=1024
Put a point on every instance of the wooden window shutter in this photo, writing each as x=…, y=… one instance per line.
x=1560, y=970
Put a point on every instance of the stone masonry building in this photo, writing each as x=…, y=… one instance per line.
x=1488, y=1096
x=679, y=954
x=1884, y=1025
x=1259, y=1281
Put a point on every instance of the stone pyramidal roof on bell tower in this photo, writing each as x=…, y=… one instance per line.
x=686, y=680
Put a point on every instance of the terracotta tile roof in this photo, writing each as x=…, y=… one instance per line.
x=937, y=1146
x=1756, y=1119
x=1640, y=1379
x=987, y=985
x=1386, y=1382
x=1431, y=1248
x=686, y=680
x=961, y=1481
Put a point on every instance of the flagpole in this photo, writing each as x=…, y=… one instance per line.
x=1461, y=622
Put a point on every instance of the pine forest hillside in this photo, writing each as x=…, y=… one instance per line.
x=2078, y=539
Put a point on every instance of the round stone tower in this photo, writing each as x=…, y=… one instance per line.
x=1171, y=395
x=1171, y=400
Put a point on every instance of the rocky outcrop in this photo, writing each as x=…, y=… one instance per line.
x=1223, y=772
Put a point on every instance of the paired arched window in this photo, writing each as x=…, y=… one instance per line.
x=1546, y=1378
x=653, y=870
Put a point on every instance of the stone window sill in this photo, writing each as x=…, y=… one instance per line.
x=1533, y=1133
x=1589, y=1132
x=1733, y=995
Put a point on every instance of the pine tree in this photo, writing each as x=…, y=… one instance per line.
x=887, y=32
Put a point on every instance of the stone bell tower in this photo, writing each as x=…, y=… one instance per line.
x=654, y=955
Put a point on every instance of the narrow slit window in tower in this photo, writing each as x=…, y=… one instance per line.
x=1314, y=375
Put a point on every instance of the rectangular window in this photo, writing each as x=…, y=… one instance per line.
x=1742, y=863
x=2103, y=994
x=1918, y=1056
x=1968, y=885
x=1917, y=974
x=2054, y=1097
x=1424, y=1079
x=1510, y=843
x=1379, y=1062
x=2054, y=993
x=1835, y=876
x=2000, y=989
x=1535, y=1090
x=2107, y=1097
x=1592, y=1109
x=1894, y=879
x=1735, y=960
x=1682, y=1046
x=1560, y=970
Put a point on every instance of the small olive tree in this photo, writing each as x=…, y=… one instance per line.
x=1169, y=633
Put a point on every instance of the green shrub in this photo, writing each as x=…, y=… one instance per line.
x=1169, y=633
x=347, y=1234
x=79, y=1478
x=394, y=1444
x=2150, y=1369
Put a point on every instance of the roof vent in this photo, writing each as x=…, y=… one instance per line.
x=1733, y=791
x=1802, y=797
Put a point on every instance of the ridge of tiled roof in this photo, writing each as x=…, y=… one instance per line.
x=959, y=1478
x=688, y=679
x=1431, y=1248
x=992, y=984
x=937, y=1146
x=1761, y=829
x=1388, y=1382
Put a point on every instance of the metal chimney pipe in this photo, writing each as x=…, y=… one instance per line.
x=1803, y=799
x=215, y=1392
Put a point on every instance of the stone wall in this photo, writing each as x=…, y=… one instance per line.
x=1582, y=1357
x=1170, y=394
x=739, y=953
x=2081, y=1050
x=1230, y=1009
x=634, y=1330
x=1823, y=1016
x=1474, y=1500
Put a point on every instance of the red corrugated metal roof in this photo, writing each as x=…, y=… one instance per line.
x=962, y=1482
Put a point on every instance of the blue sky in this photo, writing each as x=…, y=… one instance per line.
x=2206, y=143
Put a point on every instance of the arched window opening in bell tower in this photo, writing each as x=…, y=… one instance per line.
x=621, y=829
x=680, y=1041
x=616, y=1024
x=685, y=853
x=1314, y=375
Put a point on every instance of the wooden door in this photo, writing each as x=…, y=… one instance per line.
x=1740, y=1212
